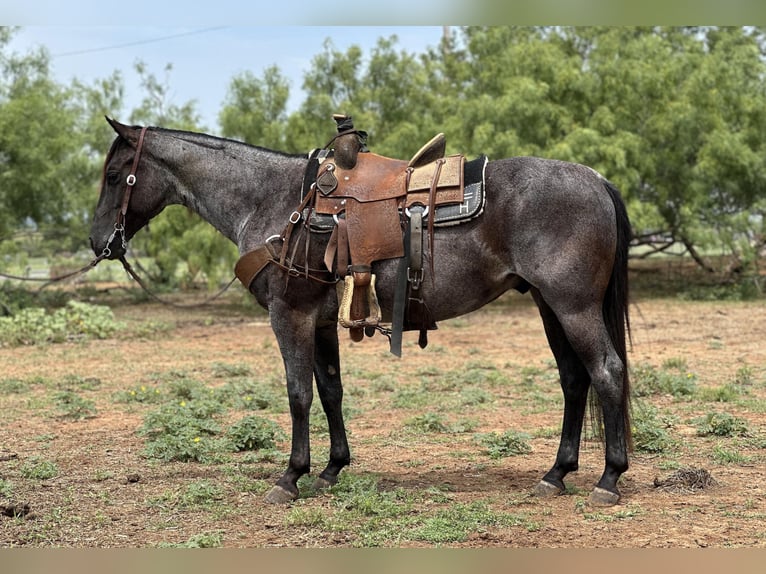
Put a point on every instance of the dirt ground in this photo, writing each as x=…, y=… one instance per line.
x=99, y=496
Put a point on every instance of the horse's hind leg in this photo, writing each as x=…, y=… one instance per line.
x=327, y=374
x=587, y=333
x=575, y=381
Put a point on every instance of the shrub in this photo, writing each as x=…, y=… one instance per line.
x=34, y=326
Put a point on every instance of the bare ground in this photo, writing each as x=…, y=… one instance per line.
x=102, y=494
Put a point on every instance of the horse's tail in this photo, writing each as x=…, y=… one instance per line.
x=615, y=307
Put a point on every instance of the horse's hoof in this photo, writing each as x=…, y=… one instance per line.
x=603, y=497
x=321, y=484
x=278, y=495
x=545, y=489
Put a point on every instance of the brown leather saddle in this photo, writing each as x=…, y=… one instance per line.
x=367, y=202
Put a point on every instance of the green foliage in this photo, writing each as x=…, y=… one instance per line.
x=203, y=540
x=72, y=406
x=427, y=422
x=39, y=469
x=187, y=425
x=75, y=321
x=651, y=430
x=184, y=431
x=673, y=115
x=140, y=394
x=6, y=488
x=722, y=424
x=254, y=433
x=453, y=524
x=723, y=455
x=673, y=379
x=509, y=443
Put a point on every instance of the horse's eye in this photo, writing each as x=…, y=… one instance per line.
x=113, y=177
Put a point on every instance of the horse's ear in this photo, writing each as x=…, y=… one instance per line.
x=128, y=133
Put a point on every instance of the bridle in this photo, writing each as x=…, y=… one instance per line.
x=130, y=182
x=119, y=229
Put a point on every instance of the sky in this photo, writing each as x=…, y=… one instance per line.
x=204, y=59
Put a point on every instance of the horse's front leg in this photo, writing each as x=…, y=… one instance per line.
x=327, y=373
x=295, y=332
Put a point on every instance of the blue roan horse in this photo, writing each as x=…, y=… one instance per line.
x=558, y=230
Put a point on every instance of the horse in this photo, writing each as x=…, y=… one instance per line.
x=555, y=229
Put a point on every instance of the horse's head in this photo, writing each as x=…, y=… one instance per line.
x=132, y=191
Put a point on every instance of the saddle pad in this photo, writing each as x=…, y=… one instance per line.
x=471, y=207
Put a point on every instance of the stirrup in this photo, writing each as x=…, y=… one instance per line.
x=344, y=314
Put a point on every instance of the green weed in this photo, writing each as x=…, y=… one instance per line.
x=674, y=379
x=72, y=406
x=427, y=422
x=509, y=443
x=75, y=321
x=6, y=488
x=723, y=455
x=254, y=433
x=140, y=394
x=722, y=424
x=204, y=540
x=455, y=523
x=650, y=431
x=39, y=469
x=226, y=371
x=14, y=387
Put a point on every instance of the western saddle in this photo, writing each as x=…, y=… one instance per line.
x=378, y=207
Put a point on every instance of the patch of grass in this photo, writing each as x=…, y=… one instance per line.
x=427, y=422
x=72, y=406
x=723, y=455
x=455, y=523
x=254, y=433
x=37, y=468
x=79, y=383
x=201, y=494
x=184, y=430
x=14, y=386
x=650, y=431
x=727, y=393
x=722, y=424
x=410, y=398
x=203, y=540
x=140, y=394
x=248, y=394
x=75, y=321
x=475, y=396
x=359, y=494
x=509, y=443
x=673, y=379
x=227, y=371
x=6, y=488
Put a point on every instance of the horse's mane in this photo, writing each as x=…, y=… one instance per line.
x=218, y=142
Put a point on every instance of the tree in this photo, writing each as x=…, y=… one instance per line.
x=255, y=110
x=179, y=243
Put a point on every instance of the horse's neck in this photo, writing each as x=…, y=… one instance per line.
x=245, y=192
